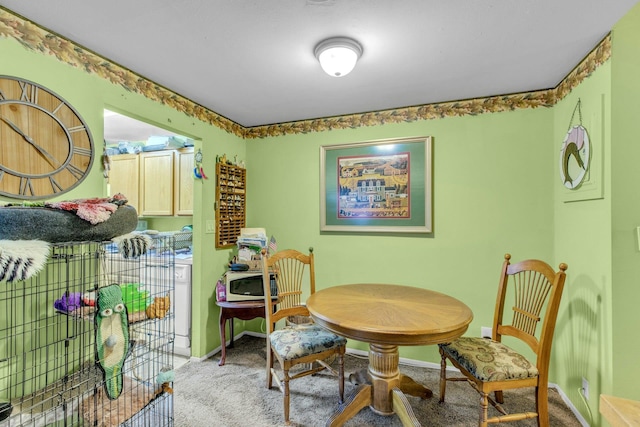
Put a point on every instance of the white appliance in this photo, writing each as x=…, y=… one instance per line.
x=247, y=286
x=153, y=275
x=182, y=304
x=180, y=300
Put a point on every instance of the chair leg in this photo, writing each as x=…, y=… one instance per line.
x=269, y=365
x=285, y=384
x=341, y=377
x=484, y=408
x=542, y=406
x=443, y=375
x=499, y=396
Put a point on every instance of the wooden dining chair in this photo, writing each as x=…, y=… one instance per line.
x=288, y=341
x=532, y=289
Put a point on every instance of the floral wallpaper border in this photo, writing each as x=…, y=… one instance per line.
x=35, y=38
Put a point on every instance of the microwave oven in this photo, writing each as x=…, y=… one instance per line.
x=247, y=286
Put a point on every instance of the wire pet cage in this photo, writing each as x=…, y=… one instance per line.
x=53, y=369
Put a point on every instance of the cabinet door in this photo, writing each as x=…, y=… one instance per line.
x=124, y=178
x=156, y=183
x=183, y=186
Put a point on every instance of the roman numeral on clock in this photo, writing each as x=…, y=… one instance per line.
x=82, y=151
x=54, y=185
x=29, y=93
x=25, y=185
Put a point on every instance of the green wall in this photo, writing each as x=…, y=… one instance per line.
x=582, y=346
x=491, y=181
x=625, y=205
x=496, y=189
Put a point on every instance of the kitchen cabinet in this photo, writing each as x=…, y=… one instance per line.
x=124, y=178
x=156, y=183
x=183, y=182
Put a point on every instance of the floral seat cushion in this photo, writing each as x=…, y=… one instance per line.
x=298, y=341
x=489, y=360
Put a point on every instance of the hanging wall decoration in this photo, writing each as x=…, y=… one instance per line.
x=575, y=154
x=198, y=172
x=580, y=159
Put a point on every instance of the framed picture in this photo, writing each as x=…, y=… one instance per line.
x=379, y=186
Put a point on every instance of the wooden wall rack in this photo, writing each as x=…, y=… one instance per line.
x=231, y=186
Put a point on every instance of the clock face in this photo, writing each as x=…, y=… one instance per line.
x=46, y=148
x=574, y=157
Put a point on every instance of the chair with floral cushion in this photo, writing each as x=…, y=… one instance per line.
x=532, y=289
x=289, y=340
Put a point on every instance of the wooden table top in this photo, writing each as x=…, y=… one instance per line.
x=619, y=411
x=390, y=314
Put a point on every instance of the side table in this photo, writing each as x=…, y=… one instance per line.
x=244, y=310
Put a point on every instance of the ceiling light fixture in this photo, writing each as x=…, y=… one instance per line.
x=338, y=55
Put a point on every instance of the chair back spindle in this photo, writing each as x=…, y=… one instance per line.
x=289, y=268
x=533, y=285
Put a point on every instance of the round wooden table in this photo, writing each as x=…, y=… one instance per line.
x=387, y=316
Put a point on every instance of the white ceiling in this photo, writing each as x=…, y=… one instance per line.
x=118, y=127
x=252, y=61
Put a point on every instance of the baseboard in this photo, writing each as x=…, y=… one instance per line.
x=218, y=349
x=570, y=405
x=403, y=361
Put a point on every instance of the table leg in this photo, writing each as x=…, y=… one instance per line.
x=403, y=410
x=409, y=386
x=384, y=375
x=223, y=337
x=388, y=384
x=360, y=398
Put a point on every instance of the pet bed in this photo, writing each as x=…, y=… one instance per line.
x=55, y=225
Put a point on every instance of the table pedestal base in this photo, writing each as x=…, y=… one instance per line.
x=384, y=391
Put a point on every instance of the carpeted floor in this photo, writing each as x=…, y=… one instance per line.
x=235, y=395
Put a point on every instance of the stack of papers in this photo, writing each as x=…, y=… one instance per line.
x=252, y=237
x=251, y=242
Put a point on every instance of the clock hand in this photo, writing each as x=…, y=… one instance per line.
x=27, y=138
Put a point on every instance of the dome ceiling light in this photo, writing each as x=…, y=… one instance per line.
x=338, y=55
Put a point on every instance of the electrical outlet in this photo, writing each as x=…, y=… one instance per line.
x=585, y=388
x=210, y=226
x=485, y=332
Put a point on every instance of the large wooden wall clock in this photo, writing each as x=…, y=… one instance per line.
x=46, y=148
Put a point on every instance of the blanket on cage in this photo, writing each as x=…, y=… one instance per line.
x=94, y=210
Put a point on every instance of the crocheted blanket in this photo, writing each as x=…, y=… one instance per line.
x=94, y=210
